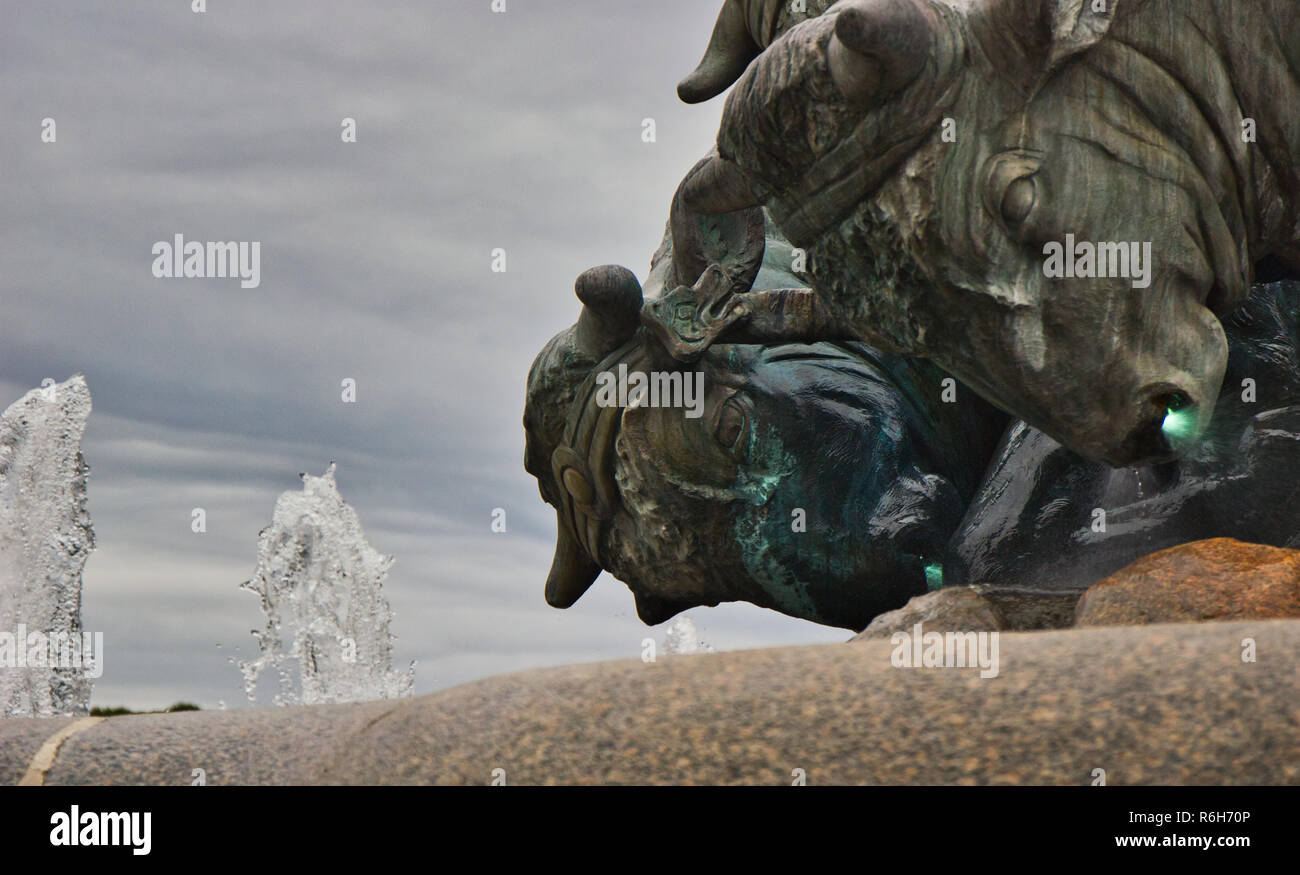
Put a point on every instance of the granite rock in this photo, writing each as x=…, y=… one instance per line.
x=1165, y=704
x=953, y=608
x=1216, y=579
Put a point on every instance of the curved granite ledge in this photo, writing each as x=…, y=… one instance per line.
x=20, y=740
x=1170, y=704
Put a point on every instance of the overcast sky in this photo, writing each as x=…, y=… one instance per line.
x=475, y=130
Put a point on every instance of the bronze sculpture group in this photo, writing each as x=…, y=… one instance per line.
x=929, y=402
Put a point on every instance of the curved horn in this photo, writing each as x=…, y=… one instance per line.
x=730, y=50
x=572, y=571
x=879, y=46
x=611, y=309
x=714, y=186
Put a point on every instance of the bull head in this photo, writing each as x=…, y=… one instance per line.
x=695, y=510
x=959, y=170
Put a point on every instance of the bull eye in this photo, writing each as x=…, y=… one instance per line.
x=1011, y=187
x=732, y=429
x=1018, y=201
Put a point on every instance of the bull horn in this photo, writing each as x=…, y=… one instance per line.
x=730, y=50
x=717, y=186
x=611, y=309
x=878, y=47
x=572, y=570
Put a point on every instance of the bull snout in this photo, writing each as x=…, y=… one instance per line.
x=1139, y=420
x=1142, y=394
x=1153, y=410
x=1156, y=423
x=1173, y=376
x=1128, y=377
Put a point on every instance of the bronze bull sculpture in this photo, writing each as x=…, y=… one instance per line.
x=957, y=168
x=832, y=482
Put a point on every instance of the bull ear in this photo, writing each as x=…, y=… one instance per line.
x=715, y=185
x=716, y=219
x=1044, y=32
x=1077, y=25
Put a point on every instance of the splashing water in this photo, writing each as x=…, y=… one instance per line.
x=683, y=638
x=45, y=537
x=321, y=582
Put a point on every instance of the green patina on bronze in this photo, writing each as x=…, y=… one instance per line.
x=701, y=509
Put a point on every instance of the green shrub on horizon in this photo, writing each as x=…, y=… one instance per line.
x=118, y=710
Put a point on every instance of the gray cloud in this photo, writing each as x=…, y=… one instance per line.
x=475, y=131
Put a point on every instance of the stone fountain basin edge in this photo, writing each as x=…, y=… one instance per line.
x=1160, y=704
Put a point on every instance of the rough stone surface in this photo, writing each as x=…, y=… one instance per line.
x=976, y=608
x=263, y=746
x=1028, y=610
x=1217, y=579
x=957, y=607
x=20, y=739
x=1168, y=704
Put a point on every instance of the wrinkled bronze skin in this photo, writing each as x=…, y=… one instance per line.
x=1114, y=126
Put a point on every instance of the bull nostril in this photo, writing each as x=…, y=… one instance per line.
x=1168, y=426
x=1166, y=429
x=1179, y=421
x=1147, y=443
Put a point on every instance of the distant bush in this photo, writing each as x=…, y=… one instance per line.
x=119, y=711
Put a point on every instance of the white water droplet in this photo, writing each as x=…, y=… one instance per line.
x=682, y=637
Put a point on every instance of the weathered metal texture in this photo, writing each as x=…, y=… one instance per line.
x=926, y=153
